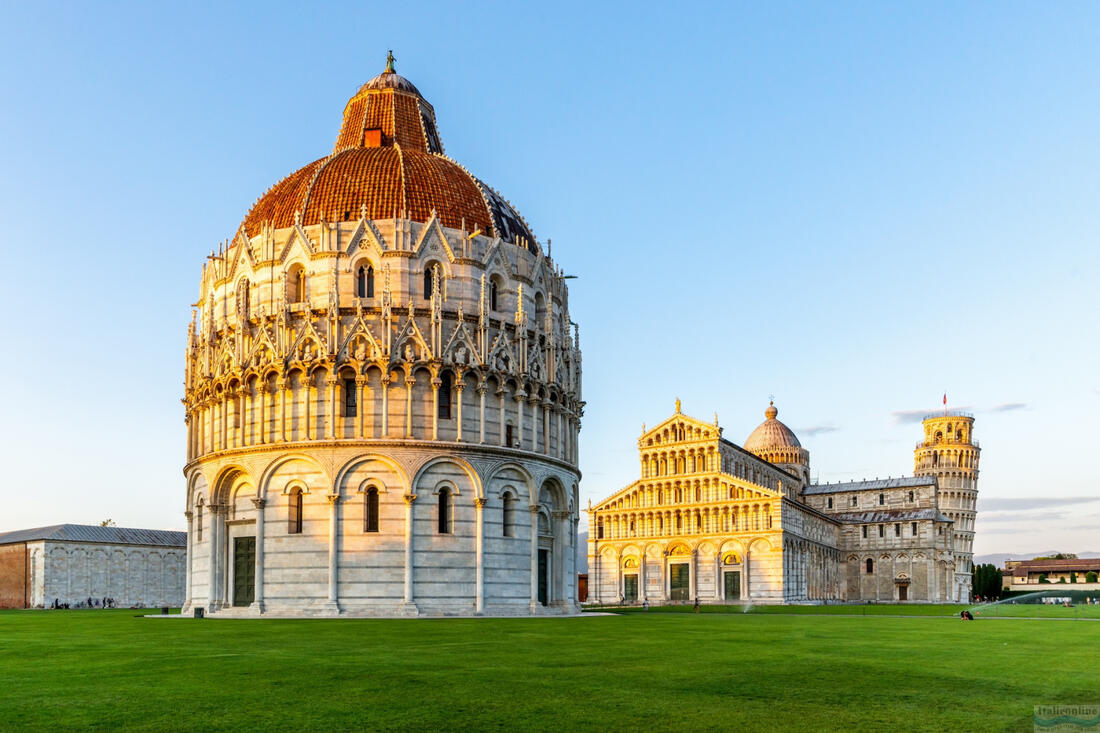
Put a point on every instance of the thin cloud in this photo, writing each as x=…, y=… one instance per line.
x=1008, y=407
x=817, y=430
x=1032, y=502
x=905, y=417
x=1015, y=517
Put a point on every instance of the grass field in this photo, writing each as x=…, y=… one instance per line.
x=994, y=610
x=107, y=670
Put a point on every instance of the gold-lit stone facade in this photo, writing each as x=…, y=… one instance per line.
x=951, y=454
x=713, y=521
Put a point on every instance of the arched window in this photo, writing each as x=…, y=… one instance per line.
x=509, y=517
x=294, y=513
x=370, y=510
x=910, y=496
x=351, y=404
x=364, y=282
x=429, y=281
x=599, y=528
x=870, y=566
x=444, y=511
x=494, y=302
x=446, y=383
x=296, y=284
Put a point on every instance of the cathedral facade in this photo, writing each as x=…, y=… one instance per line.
x=383, y=391
x=721, y=523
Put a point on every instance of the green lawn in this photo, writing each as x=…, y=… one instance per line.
x=107, y=670
x=996, y=610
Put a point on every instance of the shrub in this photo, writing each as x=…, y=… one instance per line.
x=1062, y=579
x=1043, y=578
x=1073, y=577
x=1090, y=576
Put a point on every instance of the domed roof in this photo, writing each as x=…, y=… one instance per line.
x=771, y=434
x=388, y=162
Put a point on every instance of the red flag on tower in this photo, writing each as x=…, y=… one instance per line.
x=945, y=399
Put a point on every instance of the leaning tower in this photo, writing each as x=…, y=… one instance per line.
x=950, y=453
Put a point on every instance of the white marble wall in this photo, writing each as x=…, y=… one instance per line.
x=72, y=572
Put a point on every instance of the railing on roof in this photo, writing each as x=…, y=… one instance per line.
x=949, y=413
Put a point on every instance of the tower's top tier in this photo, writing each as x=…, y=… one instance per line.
x=950, y=426
x=388, y=163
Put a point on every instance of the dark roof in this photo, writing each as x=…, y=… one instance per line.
x=878, y=484
x=100, y=535
x=1083, y=564
x=891, y=515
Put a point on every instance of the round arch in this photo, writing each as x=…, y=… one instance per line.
x=475, y=480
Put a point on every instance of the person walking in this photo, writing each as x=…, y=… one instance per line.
x=696, y=604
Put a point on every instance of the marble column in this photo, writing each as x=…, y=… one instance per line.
x=258, y=600
x=436, y=384
x=534, y=509
x=333, y=390
x=519, y=396
x=332, y=604
x=409, y=605
x=479, y=545
x=409, y=382
x=481, y=419
x=459, y=386
x=187, y=564
x=360, y=406
x=385, y=383
x=282, y=387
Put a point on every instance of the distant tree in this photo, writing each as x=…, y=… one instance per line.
x=1072, y=577
x=1062, y=579
x=1057, y=556
x=1043, y=578
x=108, y=523
x=1090, y=576
x=987, y=581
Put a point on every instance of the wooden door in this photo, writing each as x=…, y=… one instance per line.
x=733, y=585
x=679, y=582
x=903, y=593
x=630, y=588
x=244, y=570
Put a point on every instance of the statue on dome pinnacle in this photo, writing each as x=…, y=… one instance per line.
x=389, y=62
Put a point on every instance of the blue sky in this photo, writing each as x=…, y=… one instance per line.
x=855, y=207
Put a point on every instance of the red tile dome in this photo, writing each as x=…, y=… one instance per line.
x=388, y=161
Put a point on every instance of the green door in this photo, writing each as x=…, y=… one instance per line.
x=244, y=570
x=630, y=588
x=733, y=585
x=679, y=581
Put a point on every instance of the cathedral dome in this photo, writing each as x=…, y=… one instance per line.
x=771, y=434
x=388, y=163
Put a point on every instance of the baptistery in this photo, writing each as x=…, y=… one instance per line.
x=382, y=391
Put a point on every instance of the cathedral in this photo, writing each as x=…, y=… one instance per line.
x=722, y=523
x=382, y=391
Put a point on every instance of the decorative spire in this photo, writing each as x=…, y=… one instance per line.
x=677, y=405
x=389, y=62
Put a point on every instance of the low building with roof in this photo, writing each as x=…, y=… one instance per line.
x=714, y=521
x=1027, y=574
x=70, y=564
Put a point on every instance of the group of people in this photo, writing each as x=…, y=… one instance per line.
x=90, y=603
